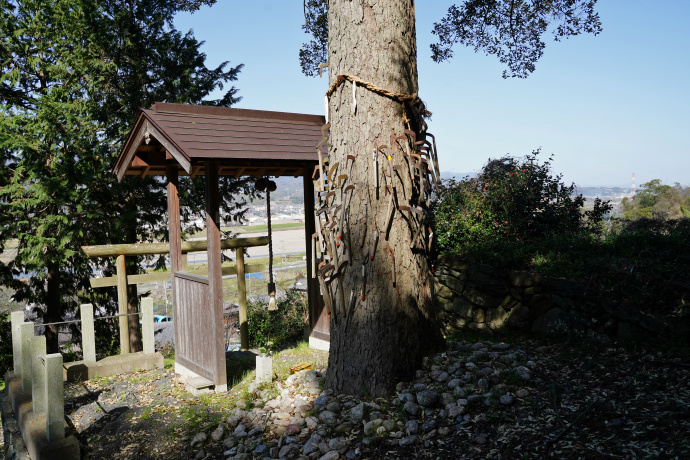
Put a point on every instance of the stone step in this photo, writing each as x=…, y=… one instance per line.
x=199, y=385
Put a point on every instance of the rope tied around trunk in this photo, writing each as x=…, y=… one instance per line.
x=407, y=100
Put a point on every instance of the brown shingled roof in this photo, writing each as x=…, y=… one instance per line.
x=243, y=142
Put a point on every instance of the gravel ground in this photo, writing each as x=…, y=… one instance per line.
x=524, y=399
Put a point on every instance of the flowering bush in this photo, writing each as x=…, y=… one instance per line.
x=511, y=199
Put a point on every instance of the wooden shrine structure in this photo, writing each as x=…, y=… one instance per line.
x=172, y=140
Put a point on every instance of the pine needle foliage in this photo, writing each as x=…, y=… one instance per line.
x=73, y=77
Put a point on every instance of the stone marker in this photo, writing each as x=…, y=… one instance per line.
x=55, y=398
x=38, y=382
x=147, y=325
x=17, y=318
x=88, y=336
x=264, y=369
x=26, y=333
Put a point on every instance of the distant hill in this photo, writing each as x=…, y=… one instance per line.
x=604, y=193
x=456, y=175
x=290, y=189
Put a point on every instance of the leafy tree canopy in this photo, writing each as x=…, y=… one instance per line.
x=512, y=30
x=656, y=200
x=314, y=53
x=73, y=75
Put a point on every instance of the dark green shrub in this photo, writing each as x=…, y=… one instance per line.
x=653, y=264
x=274, y=329
x=511, y=200
x=641, y=264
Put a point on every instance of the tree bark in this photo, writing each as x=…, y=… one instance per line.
x=382, y=320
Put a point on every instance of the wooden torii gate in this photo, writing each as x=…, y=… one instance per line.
x=176, y=139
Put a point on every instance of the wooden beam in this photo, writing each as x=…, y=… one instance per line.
x=145, y=129
x=170, y=150
x=239, y=172
x=129, y=156
x=145, y=249
x=110, y=281
x=138, y=161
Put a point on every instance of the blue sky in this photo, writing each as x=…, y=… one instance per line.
x=604, y=106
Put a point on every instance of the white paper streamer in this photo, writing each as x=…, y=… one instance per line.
x=325, y=105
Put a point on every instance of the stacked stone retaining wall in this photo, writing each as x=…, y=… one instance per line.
x=473, y=296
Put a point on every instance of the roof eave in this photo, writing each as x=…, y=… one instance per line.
x=145, y=128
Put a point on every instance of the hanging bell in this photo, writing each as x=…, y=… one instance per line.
x=261, y=184
x=271, y=186
x=272, y=306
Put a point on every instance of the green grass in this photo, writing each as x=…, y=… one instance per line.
x=168, y=352
x=274, y=227
x=2, y=384
x=284, y=278
x=241, y=374
x=146, y=414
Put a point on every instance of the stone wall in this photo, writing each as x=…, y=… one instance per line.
x=473, y=296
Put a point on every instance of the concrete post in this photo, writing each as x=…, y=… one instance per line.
x=147, y=325
x=88, y=335
x=16, y=318
x=26, y=331
x=55, y=398
x=38, y=382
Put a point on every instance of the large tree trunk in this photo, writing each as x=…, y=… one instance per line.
x=382, y=323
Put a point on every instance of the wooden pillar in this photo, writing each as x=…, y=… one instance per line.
x=213, y=251
x=123, y=321
x=174, y=218
x=313, y=296
x=242, y=295
x=175, y=239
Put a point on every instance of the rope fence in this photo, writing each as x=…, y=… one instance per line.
x=79, y=321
